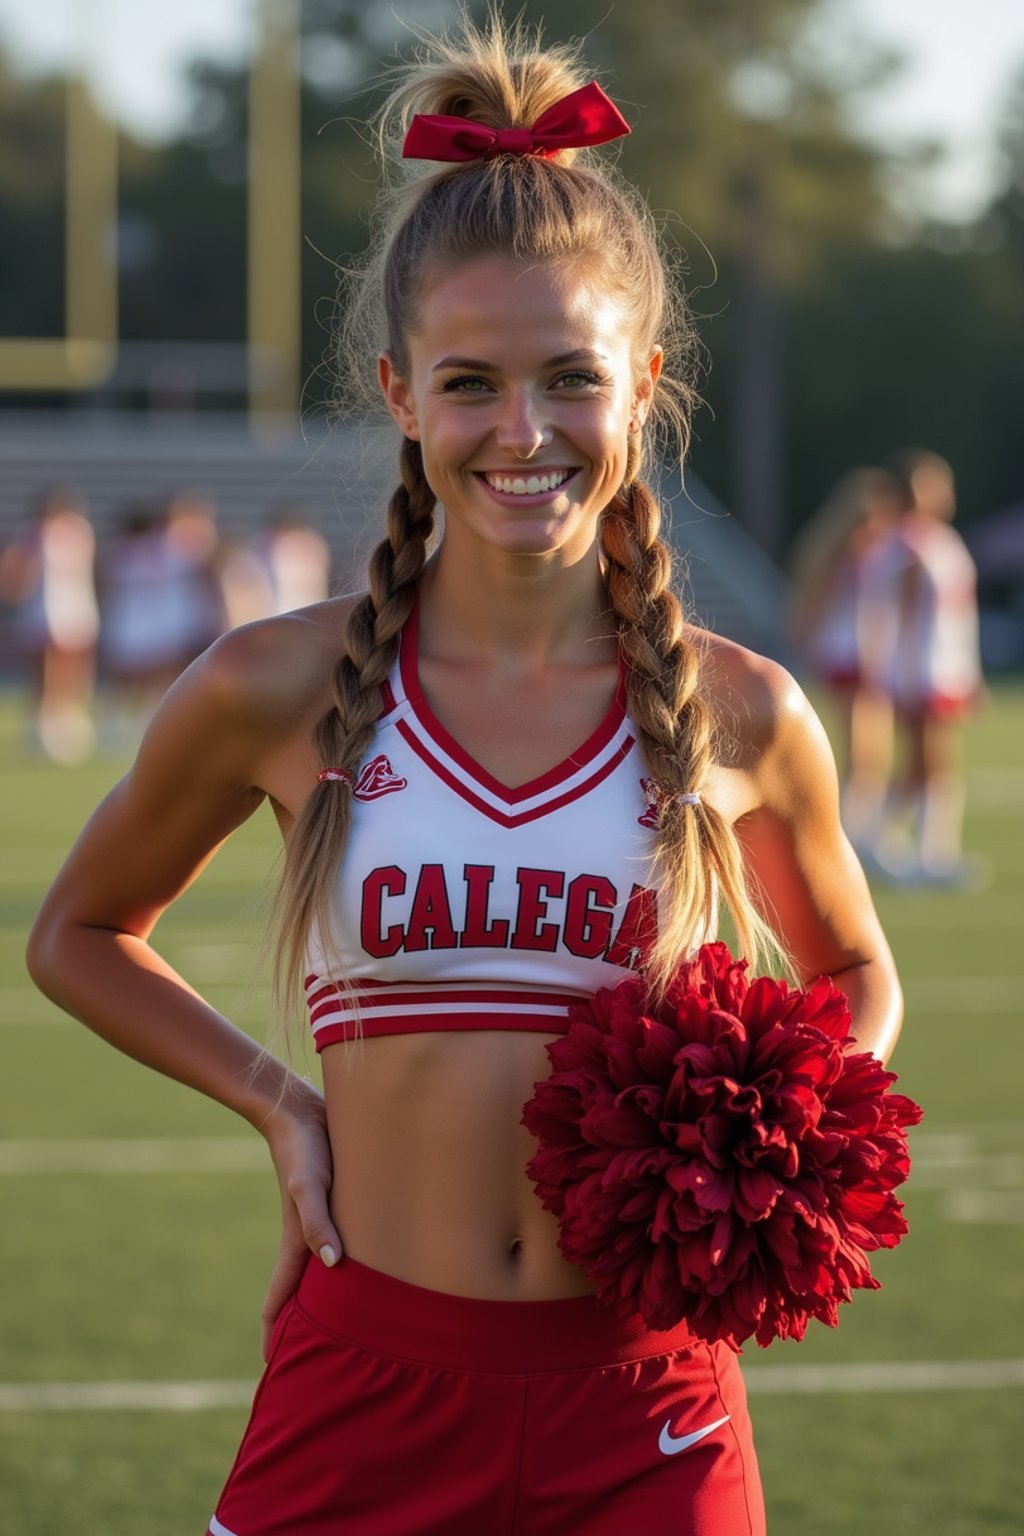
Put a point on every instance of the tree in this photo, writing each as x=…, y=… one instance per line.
x=829, y=344
x=1006, y=214
x=741, y=132
x=31, y=205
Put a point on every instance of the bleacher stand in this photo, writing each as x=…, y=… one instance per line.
x=342, y=477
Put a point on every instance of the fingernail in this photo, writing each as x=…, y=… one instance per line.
x=328, y=1255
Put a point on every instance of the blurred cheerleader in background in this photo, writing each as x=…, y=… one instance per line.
x=832, y=607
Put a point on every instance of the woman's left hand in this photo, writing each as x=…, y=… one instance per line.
x=297, y=1136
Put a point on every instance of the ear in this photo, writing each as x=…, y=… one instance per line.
x=397, y=397
x=643, y=394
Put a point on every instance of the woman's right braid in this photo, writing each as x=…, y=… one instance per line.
x=317, y=841
x=375, y=623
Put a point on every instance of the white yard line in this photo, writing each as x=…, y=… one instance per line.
x=26, y=1008
x=969, y=996
x=123, y=1396
x=992, y=1129
x=177, y=1154
x=887, y=1376
x=206, y=963
x=995, y=1170
x=764, y=1380
x=993, y=1207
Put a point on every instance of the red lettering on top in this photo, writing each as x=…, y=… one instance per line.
x=431, y=912
x=637, y=931
x=536, y=888
x=589, y=907
x=380, y=882
x=478, y=933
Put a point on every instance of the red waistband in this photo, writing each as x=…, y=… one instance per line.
x=369, y=1008
x=466, y=1333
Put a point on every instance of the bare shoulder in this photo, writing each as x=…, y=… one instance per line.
x=755, y=700
x=768, y=735
x=275, y=669
x=252, y=699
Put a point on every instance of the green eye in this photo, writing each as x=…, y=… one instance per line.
x=466, y=384
x=578, y=379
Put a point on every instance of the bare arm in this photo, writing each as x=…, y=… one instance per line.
x=196, y=779
x=810, y=881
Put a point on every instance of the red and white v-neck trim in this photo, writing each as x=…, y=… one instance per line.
x=598, y=756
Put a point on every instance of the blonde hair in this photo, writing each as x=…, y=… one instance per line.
x=527, y=207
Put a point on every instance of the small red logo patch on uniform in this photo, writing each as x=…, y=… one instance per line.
x=653, y=795
x=378, y=778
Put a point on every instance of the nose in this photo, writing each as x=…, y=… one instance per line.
x=522, y=429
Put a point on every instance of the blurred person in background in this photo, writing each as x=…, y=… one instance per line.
x=285, y=566
x=921, y=617
x=161, y=606
x=47, y=574
x=829, y=628
x=192, y=553
x=297, y=560
x=134, y=604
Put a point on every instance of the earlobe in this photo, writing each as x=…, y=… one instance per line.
x=397, y=397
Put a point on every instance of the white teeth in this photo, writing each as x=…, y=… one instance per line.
x=530, y=487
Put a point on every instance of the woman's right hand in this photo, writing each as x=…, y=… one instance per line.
x=296, y=1133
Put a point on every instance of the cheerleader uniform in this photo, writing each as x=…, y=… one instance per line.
x=391, y=1410
x=926, y=659
x=834, y=649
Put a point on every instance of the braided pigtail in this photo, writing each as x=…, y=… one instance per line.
x=696, y=852
x=316, y=843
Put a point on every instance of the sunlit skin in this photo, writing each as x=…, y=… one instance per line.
x=421, y=1170
x=514, y=371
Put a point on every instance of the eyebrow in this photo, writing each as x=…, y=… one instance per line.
x=581, y=355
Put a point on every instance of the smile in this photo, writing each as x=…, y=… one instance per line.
x=531, y=485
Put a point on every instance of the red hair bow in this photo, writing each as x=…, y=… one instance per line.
x=586, y=116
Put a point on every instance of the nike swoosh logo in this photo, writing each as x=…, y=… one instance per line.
x=670, y=1444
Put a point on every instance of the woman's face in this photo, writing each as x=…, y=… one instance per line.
x=521, y=390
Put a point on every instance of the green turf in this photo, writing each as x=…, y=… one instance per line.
x=159, y=1276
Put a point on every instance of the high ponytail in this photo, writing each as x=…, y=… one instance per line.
x=570, y=206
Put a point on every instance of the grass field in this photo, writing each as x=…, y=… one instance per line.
x=138, y=1220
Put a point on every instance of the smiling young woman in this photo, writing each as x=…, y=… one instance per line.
x=522, y=391
x=507, y=776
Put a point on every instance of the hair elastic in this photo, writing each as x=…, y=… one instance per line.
x=335, y=776
x=689, y=797
x=586, y=116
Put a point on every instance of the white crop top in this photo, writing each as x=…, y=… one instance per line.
x=462, y=904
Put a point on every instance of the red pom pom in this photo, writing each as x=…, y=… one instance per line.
x=724, y=1156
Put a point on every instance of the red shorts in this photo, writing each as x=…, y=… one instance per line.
x=938, y=706
x=842, y=679
x=389, y=1410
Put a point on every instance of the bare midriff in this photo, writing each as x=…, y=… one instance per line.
x=430, y=1181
